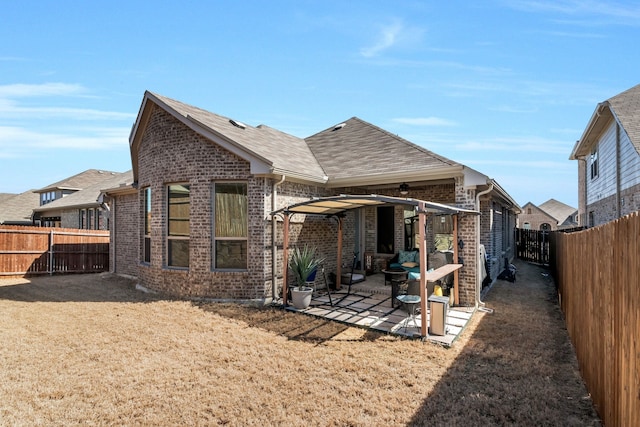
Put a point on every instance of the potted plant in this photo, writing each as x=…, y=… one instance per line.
x=304, y=262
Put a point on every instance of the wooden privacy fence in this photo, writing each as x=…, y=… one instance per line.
x=597, y=272
x=37, y=250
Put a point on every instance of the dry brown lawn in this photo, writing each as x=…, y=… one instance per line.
x=90, y=349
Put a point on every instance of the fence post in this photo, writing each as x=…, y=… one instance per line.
x=50, y=267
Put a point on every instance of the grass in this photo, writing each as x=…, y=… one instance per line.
x=89, y=349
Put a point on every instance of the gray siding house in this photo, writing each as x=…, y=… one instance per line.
x=197, y=221
x=608, y=155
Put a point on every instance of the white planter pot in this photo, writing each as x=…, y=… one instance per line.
x=301, y=298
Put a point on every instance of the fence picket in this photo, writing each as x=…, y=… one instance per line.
x=597, y=275
x=39, y=250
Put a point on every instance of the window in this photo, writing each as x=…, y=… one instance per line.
x=83, y=219
x=527, y=226
x=528, y=211
x=146, y=248
x=231, y=224
x=89, y=219
x=593, y=163
x=385, y=227
x=545, y=227
x=178, y=225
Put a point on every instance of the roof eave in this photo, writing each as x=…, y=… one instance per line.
x=258, y=164
x=594, y=128
x=430, y=174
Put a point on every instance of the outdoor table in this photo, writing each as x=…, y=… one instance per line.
x=395, y=277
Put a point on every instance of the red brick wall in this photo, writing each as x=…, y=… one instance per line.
x=170, y=152
x=124, y=246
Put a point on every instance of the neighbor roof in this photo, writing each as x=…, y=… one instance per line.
x=558, y=210
x=88, y=197
x=624, y=108
x=18, y=209
x=78, y=181
x=356, y=149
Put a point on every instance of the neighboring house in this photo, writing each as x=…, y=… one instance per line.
x=61, y=189
x=197, y=221
x=16, y=209
x=83, y=209
x=551, y=215
x=608, y=154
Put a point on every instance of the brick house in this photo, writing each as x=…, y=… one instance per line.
x=80, y=207
x=608, y=155
x=50, y=196
x=551, y=215
x=197, y=221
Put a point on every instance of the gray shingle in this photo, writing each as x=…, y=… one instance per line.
x=286, y=153
x=361, y=149
x=88, y=196
x=78, y=181
x=626, y=106
x=18, y=209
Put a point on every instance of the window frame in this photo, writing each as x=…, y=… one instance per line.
x=146, y=229
x=215, y=238
x=170, y=238
x=594, y=168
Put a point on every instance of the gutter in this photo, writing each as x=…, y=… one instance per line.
x=478, y=266
x=274, y=247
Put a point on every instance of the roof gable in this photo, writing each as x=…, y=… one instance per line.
x=18, y=209
x=269, y=151
x=624, y=108
x=78, y=181
x=88, y=197
x=356, y=148
x=558, y=210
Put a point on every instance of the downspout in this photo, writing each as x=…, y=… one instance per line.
x=274, y=248
x=479, y=266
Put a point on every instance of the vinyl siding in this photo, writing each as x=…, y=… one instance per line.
x=604, y=185
x=629, y=163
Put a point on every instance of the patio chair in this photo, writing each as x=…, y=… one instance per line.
x=352, y=277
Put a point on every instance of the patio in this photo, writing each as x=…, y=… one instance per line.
x=368, y=305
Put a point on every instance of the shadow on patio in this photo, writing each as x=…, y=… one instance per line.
x=368, y=305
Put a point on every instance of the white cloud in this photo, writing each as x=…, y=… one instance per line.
x=614, y=12
x=20, y=90
x=392, y=35
x=424, y=121
x=19, y=142
x=517, y=144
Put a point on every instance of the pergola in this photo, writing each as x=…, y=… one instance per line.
x=336, y=207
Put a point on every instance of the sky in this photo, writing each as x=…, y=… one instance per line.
x=505, y=87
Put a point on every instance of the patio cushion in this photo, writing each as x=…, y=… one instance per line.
x=406, y=256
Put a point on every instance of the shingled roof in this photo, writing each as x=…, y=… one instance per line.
x=88, y=197
x=17, y=209
x=625, y=108
x=271, y=150
x=561, y=212
x=78, y=181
